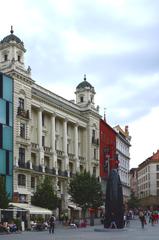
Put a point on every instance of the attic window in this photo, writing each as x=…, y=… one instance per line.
x=5, y=57
x=81, y=99
x=19, y=58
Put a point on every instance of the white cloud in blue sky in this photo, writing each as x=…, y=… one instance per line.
x=114, y=42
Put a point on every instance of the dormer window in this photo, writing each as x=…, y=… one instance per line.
x=5, y=57
x=81, y=99
x=19, y=58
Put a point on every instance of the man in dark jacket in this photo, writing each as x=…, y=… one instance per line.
x=51, y=224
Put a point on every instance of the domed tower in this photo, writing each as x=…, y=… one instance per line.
x=85, y=93
x=12, y=54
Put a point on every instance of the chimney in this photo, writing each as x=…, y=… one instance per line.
x=127, y=130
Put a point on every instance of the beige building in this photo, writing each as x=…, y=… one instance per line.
x=52, y=136
x=148, y=180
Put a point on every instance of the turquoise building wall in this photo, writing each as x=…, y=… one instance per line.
x=6, y=132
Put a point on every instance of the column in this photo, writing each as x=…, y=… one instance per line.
x=65, y=144
x=53, y=138
x=41, y=151
x=76, y=148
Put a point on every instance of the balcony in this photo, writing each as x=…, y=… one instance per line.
x=47, y=150
x=23, y=113
x=37, y=168
x=25, y=165
x=50, y=171
x=71, y=156
x=95, y=141
x=82, y=159
x=59, y=153
x=62, y=173
x=34, y=146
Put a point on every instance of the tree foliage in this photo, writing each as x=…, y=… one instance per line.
x=85, y=191
x=45, y=196
x=133, y=202
x=4, y=197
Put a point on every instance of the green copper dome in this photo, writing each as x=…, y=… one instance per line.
x=11, y=38
x=84, y=84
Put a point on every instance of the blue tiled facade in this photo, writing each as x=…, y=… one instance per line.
x=6, y=132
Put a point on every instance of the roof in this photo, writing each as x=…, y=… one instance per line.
x=84, y=84
x=31, y=208
x=11, y=37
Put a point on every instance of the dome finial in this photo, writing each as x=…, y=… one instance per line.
x=84, y=77
x=11, y=31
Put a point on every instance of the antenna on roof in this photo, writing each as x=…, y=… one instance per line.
x=11, y=31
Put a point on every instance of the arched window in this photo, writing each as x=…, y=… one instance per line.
x=21, y=180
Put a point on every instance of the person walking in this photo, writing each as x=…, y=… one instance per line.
x=142, y=218
x=52, y=224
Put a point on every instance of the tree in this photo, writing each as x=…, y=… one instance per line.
x=133, y=202
x=4, y=197
x=45, y=196
x=85, y=191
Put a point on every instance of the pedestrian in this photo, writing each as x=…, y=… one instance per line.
x=142, y=218
x=52, y=224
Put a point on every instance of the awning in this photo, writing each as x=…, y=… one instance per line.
x=74, y=207
x=31, y=208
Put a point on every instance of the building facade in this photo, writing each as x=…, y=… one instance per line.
x=123, y=151
x=133, y=181
x=107, y=152
x=148, y=181
x=6, y=133
x=52, y=136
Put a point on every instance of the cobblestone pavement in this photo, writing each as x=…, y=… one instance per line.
x=133, y=232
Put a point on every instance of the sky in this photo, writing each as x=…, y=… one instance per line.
x=114, y=42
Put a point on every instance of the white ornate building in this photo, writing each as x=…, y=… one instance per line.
x=52, y=136
x=123, y=151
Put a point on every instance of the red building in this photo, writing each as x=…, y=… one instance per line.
x=108, y=157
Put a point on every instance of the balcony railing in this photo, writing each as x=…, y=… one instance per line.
x=25, y=165
x=23, y=113
x=59, y=153
x=62, y=173
x=35, y=146
x=71, y=156
x=37, y=168
x=82, y=159
x=95, y=141
x=50, y=171
x=47, y=149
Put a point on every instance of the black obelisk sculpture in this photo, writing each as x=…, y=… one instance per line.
x=114, y=201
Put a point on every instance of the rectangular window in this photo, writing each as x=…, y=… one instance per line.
x=157, y=175
x=43, y=119
x=22, y=155
x=158, y=184
x=21, y=104
x=1, y=135
x=10, y=114
x=2, y=162
x=43, y=141
x=1, y=85
x=22, y=130
x=157, y=167
x=95, y=154
x=7, y=141
x=2, y=111
x=32, y=182
x=7, y=113
x=7, y=162
x=7, y=88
